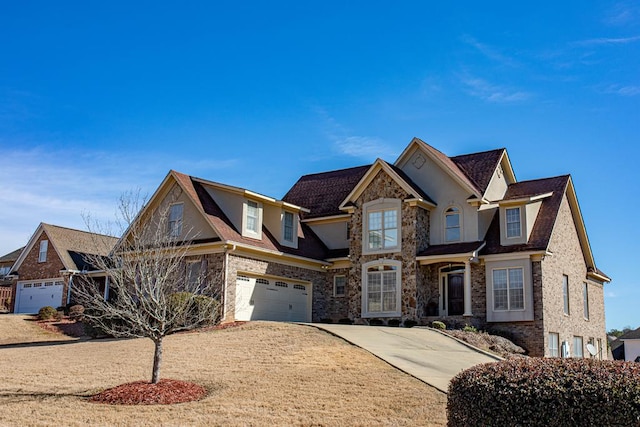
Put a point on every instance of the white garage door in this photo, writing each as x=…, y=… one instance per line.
x=270, y=299
x=31, y=297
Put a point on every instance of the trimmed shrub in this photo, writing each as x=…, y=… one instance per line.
x=76, y=311
x=436, y=324
x=409, y=323
x=469, y=328
x=47, y=313
x=537, y=391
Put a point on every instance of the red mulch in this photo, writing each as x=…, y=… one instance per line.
x=64, y=326
x=166, y=392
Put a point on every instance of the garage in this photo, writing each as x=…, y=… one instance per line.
x=260, y=298
x=32, y=296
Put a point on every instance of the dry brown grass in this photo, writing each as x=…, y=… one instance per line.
x=16, y=328
x=257, y=374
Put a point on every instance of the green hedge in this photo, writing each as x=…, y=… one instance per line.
x=546, y=392
x=47, y=313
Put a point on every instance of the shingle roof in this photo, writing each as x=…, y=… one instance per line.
x=479, y=167
x=309, y=245
x=11, y=256
x=543, y=227
x=631, y=335
x=322, y=193
x=451, y=249
x=67, y=241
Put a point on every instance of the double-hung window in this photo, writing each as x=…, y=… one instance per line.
x=508, y=289
x=253, y=216
x=382, y=289
x=175, y=220
x=513, y=222
x=193, y=276
x=452, y=225
x=554, y=344
x=42, y=254
x=577, y=347
x=287, y=225
x=383, y=229
x=339, y=286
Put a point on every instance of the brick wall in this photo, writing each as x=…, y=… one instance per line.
x=568, y=260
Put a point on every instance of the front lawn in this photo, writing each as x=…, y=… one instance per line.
x=260, y=373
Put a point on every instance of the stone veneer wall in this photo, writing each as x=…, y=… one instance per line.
x=31, y=269
x=319, y=281
x=568, y=260
x=414, y=235
x=334, y=307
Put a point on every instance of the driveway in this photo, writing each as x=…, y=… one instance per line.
x=421, y=352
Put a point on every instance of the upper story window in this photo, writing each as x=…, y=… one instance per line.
x=287, y=224
x=175, y=220
x=252, y=219
x=565, y=293
x=508, y=289
x=4, y=271
x=381, y=226
x=585, y=300
x=452, y=228
x=42, y=254
x=514, y=228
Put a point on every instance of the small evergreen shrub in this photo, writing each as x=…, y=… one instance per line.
x=410, y=323
x=76, y=311
x=469, y=328
x=543, y=391
x=394, y=323
x=47, y=313
x=436, y=324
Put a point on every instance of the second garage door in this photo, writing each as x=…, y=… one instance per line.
x=260, y=298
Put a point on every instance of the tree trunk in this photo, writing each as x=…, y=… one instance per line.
x=157, y=361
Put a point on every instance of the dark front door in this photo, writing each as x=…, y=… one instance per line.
x=455, y=294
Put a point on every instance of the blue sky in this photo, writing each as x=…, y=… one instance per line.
x=100, y=98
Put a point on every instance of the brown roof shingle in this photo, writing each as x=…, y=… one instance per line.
x=479, y=167
x=323, y=192
x=68, y=241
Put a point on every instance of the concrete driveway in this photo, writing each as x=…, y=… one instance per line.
x=421, y=352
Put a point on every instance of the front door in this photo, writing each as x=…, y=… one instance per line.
x=455, y=294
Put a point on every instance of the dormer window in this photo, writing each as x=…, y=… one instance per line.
x=252, y=219
x=175, y=220
x=452, y=226
x=287, y=227
x=514, y=228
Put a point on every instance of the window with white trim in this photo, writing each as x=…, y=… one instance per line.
x=514, y=228
x=4, y=271
x=585, y=300
x=42, y=254
x=381, y=291
x=339, y=286
x=193, y=274
x=287, y=226
x=565, y=293
x=577, y=348
x=508, y=289
x=383, y=229
x=554, y=344
x=252, y=216
x=452, y=225
x=175, y=220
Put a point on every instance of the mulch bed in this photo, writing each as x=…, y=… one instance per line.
x=165, y=392
x=64, y=326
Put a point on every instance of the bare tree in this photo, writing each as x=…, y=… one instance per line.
x=155, y=287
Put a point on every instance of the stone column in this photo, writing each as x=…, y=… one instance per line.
x=467, y=289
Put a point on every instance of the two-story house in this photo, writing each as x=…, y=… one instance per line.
x=429, y=237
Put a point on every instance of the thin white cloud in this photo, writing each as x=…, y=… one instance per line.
x=345, y=143
x=490, y=92
x=622, y=90
x=623, y=13
x=488, y=51
x=58, y=187
x=607, y=41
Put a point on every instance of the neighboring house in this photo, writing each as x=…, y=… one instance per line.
x=630, y=345
x=429, y=237
x=45, y=268
x=6, y=280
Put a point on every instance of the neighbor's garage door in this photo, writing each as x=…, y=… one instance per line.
x=31, y=297
x=270, y=299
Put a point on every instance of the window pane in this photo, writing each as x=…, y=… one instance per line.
x=390, y=238
x=389, y=282
x=252, y=216
x=375, y=220
x=375, y=239
x=565, y=293
x=500, y=279
x=288, y=226
x=391, y=219
x=585, y=300
x=453, y=220
x=340, y=284
x=513, y=222
x=500, y=295
x=389, y=301
x=553, y=344
x=577, y=347
x=453, y=234
x=373, y=282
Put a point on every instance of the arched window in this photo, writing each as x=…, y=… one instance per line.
x=452, y=225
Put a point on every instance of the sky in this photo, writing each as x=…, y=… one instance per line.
x=101, y=98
